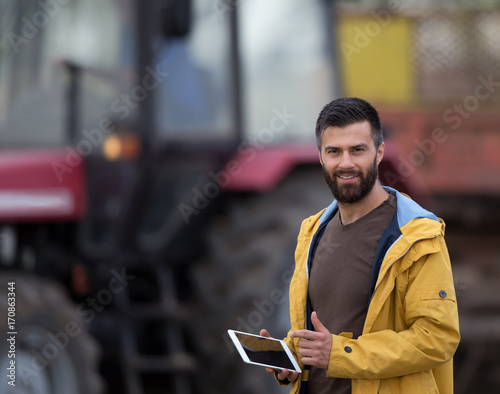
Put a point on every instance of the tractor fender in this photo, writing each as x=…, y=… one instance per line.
x=41, y=185
x=261, y=169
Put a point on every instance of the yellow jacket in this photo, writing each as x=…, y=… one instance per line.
x=411, y=328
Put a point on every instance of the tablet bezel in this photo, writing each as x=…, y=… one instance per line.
x=244, y=356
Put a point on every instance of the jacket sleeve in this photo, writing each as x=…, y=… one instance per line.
x=428, y=339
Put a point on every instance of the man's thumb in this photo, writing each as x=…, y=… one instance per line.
x=264, y=333
x=317, y=323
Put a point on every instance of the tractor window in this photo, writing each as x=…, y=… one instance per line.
x=288, y=71
x=194, y=102
x=38, y=40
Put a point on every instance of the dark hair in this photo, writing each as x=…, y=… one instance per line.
x=346, y=111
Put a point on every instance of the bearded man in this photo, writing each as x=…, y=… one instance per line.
x=372, y=300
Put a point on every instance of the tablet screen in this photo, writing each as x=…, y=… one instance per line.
x=263, y=350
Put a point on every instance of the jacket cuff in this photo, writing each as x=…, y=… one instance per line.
x=340, y=344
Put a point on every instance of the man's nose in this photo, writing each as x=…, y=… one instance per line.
x=346, y=162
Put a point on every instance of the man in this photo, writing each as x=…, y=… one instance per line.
x=372, y=300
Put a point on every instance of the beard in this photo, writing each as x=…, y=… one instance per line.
x=350, y=193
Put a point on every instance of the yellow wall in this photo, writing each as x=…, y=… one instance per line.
x=375, y=58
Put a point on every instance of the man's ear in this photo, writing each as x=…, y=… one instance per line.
x=320, y=158
x=380, y=152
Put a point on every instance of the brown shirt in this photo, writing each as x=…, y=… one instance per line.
x=339, y=282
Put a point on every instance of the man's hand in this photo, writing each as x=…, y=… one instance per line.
x=315, y=346
x=281, y=374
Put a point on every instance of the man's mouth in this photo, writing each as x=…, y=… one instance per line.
x=347, y=178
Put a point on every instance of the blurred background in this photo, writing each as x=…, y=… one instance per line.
x=157, y=158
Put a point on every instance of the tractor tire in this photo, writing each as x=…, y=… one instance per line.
x=243, y=282
x=53, y=352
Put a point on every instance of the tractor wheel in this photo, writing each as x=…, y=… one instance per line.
x=52, y=352
x=243, y=282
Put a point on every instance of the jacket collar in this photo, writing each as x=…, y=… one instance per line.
x=407, y=209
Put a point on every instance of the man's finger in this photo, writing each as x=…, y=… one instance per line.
x=317, y=324
x=264, y=333
x=270, y=370
x=306, y=344
x=283, y=374
x=305, y=334
x=287, y=374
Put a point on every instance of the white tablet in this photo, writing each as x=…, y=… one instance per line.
x=264, y=351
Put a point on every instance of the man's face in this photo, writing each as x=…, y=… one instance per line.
x=350, y=161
